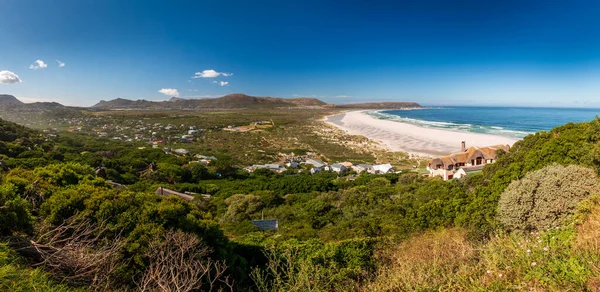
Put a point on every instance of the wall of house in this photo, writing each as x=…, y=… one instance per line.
x=440, y=172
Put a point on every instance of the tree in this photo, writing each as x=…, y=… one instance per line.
x=198, y=172
x=14, y=211
x=64, y=174
x=240, y=207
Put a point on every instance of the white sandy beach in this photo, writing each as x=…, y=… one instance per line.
x=409, y=138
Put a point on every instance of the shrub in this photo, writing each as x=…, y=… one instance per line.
x=546, y=197
x=64, y=174
x=14, y=211
x=240, y=207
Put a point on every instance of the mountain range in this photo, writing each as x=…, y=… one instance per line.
x=231, y=101
x=11, y=103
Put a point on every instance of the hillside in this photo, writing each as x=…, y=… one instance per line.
x=397, y=231
x=379, y=105
x=121, y=103
x=240, y=101
x=307, y=101
x=34, y=114
x=10, y=104
x=10, y=132
x=9, y=100
x=231, y=101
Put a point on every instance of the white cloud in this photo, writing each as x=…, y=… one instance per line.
x=222, y=83
x=343, y=96
x=210, y=73
x=39, y=64
x=60, y=64
x=171, y=92
x=7, y=77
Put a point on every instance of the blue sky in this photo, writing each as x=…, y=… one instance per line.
x=533, y=53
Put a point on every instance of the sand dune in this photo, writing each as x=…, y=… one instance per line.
x=410, y=138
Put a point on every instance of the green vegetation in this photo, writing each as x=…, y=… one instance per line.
x=15, y=275
x=390, y=232
x=543, y=198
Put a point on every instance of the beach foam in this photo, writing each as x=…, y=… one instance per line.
x=411, y=138
x=492, y=130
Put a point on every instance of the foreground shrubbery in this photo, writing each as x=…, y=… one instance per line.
x=559, y=259
x=544, y=198
x=368, y=233
x=88, y=234
x=448, y=261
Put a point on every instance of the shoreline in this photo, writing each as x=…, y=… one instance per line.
x=415, y=140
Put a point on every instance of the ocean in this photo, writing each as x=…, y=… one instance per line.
x=514, y=122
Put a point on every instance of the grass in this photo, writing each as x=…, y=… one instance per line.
x=561, y=259
x=16, y=275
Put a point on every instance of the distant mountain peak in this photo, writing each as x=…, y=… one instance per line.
x=6, y=99
x=174, y=99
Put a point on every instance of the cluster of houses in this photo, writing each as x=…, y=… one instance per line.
x=132, y=130
x=468, y=160
x=317, y=166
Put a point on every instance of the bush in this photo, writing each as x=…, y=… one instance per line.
x=14, y=211
x=546, y=197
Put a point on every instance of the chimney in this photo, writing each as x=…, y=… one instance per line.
x=463, y=146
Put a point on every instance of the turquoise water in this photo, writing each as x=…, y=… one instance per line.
x=516, y=122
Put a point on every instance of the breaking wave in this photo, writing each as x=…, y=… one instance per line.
x=473, y=128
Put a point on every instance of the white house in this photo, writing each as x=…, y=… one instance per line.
x=382, y=168
x=198, y=156
x=315, y=163
x=181, y=151
x=271, y=167
x=362, y=167
x=339, y=168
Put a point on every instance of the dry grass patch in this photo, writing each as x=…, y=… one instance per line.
x=436, y=260
x=588, y=239
x=588, y=232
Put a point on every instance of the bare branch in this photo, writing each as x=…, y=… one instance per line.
x=180, y=262
x=74, y=251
